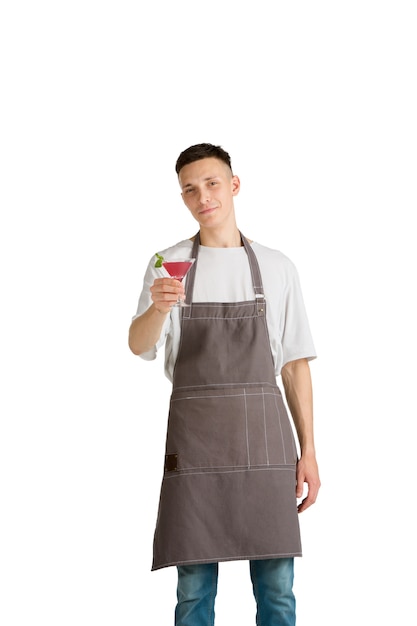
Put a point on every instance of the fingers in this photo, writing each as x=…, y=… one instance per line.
x=165, y=292
x=310, y=499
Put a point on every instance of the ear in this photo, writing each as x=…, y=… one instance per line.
x=235, y=185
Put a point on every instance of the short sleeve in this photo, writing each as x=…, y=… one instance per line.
x=297, y=341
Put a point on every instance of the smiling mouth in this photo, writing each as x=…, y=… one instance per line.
x=206, y=210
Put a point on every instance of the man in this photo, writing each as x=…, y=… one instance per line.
x=232, y=477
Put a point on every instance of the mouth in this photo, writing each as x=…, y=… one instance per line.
x=206, y=210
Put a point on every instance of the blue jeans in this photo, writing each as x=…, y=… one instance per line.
x=272, y=582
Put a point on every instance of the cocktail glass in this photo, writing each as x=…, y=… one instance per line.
x=178, y=268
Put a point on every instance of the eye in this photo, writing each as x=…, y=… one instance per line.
x=188, y=190
x=213, y=182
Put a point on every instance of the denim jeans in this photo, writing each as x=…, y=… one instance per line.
x=272, y=582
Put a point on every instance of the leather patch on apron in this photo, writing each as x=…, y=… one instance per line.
x=171, y=462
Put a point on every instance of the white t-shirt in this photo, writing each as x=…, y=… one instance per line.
x=223, y=275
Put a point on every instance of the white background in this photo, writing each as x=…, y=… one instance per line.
x=316, y=103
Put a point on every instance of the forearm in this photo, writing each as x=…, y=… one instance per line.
x=298, y=391
x=296, y=379
x=145, y=330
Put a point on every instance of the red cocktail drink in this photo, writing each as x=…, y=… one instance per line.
x=177, y=269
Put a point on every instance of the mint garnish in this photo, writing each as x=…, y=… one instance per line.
x=159, y=260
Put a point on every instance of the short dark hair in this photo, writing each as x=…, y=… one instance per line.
x=202, y=151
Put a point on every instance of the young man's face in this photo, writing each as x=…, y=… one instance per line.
x=208, y=188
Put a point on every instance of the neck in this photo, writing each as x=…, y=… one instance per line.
x=220, y=239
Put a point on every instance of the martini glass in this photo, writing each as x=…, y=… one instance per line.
x=178, y=268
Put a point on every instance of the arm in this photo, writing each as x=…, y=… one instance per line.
x=145, y=330
x=296, y=379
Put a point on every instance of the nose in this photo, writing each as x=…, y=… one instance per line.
x=203, y=195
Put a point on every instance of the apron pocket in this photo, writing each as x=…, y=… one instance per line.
x=228, y=428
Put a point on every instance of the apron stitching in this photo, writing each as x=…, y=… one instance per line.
x=254, y=468
x=240, y=468
x=254, y=280
x=280, y=428
x=246, y=426
x=222, y=319
x=240, y=557
x=251, y=269
x=182, y=312
x=265, y=431
x=222, y=305
x=226, y=395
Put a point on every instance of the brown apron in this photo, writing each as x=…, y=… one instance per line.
x=228, y=490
